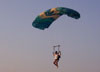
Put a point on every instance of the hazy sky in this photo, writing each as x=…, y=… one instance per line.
x=24, y=48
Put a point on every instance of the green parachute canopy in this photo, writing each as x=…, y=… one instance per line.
x=45, y=19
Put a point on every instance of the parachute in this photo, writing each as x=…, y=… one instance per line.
x=45, y=19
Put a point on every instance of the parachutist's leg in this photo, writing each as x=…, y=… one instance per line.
x=56, y=63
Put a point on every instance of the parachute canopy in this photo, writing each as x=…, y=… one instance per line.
x=45, y=19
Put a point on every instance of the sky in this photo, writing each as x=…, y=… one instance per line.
x=24, y=48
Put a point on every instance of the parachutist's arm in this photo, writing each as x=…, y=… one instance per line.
x=53, y=50
x=53, y=53
x=60, y=53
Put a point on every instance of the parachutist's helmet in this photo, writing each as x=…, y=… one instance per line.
x=56, y=52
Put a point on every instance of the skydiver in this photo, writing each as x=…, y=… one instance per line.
x=57, y=56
